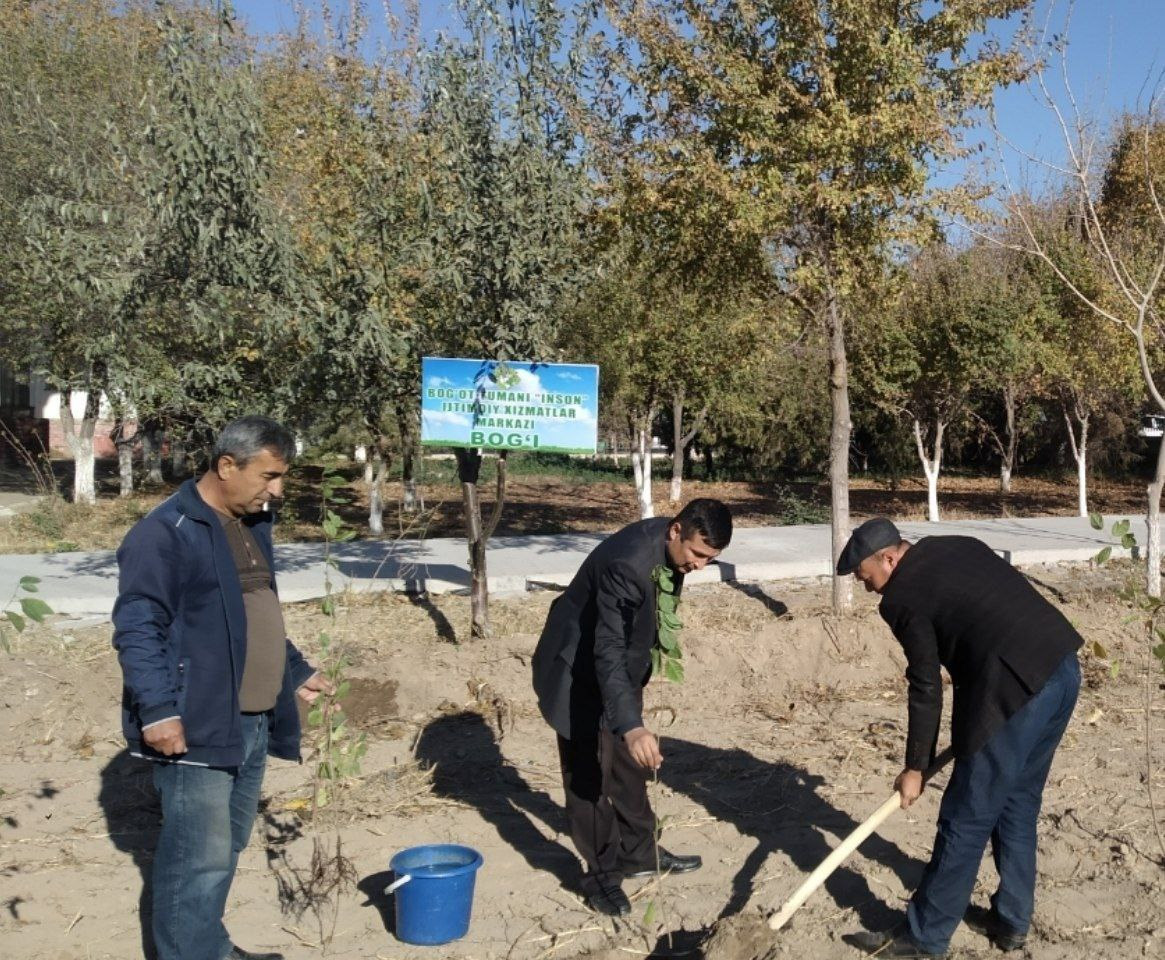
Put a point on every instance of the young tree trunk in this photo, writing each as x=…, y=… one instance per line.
x=681, y=442
x=410, y=502
x=376, y=494
x=1010, y=442
x=1153, y=565
x=178, y=466
x=410, y=453
x=477, y=534
x=1080, y=455
x=614, y=448
x=369, y=470
x=931, y=465
x=80, y=441
x=151, y=433
x=125, y=447
x=641, y=464
x=839, y=436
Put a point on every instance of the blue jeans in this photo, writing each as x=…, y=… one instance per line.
x=994, y=794
x=207, y=815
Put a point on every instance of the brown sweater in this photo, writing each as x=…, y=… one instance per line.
x=266, y=635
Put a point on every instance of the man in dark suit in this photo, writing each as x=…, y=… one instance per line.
x=1011, y=656
x=591, y=664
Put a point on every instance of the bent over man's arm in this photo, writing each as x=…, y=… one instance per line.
x=924, y=696
x=619, y=601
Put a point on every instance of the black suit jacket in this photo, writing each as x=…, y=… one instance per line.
x=594, y=655
x=952, y=601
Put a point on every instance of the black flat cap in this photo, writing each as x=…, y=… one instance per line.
x=872, y=536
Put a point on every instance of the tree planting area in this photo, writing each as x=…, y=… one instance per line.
x=785, y=734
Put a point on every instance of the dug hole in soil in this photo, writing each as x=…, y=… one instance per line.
x=786, y=734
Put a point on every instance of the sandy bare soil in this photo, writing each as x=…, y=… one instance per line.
x=786, y=734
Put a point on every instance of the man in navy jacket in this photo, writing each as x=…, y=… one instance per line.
x=209, y=677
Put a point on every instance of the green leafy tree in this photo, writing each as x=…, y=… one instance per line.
x=1012, y=309
x=73, y=101
x=218, y=279
x=922, y=361
x=831, y=117
x=503, y=215
x=352, y=166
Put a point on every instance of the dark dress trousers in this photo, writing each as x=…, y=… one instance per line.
x=590, y=666
x=953, y=602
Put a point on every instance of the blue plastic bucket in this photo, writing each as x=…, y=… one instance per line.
x=434, y=892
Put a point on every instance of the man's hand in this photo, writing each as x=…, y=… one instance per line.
x=643, y=747
x=167, y=737
x=909, y=784
x=313, y=686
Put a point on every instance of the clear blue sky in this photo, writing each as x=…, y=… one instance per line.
x=1116, y=53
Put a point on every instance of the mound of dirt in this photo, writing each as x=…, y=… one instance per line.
x=745, y=936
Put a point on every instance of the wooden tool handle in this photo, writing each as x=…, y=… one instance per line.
x=848, y=845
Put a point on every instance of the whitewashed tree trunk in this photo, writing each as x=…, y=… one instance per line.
x=614, y=449
x=1153, y=568
x=641, y=466
x=1080, y=455
x=152, y=454
x=675, y=491
x=676, y=487
x=931, y=466
x=125, y=466
x=1011, y=439
x=369, y=470
x=124, y=442
x=376, y=495
x=680, y=442
x=411, y=500
x=840, y=431
x=80, y=442
x=178, y=467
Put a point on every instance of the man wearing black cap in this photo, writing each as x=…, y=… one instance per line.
x=1011, y=656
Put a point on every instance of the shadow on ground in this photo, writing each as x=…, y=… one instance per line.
x=470, y=768
x=133, y=817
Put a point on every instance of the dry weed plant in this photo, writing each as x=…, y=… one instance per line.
x=316, y=888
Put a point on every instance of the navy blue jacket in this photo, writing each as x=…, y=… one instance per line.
x=181, y=634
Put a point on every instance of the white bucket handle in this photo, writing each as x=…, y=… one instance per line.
x=399, y=882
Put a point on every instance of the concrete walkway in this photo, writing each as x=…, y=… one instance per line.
x=84, y=585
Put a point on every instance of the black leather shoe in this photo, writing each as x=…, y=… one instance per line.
x=609, y=899
x=887, y=944
x=668, y=863
x=988, y=923
x=238, y=953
